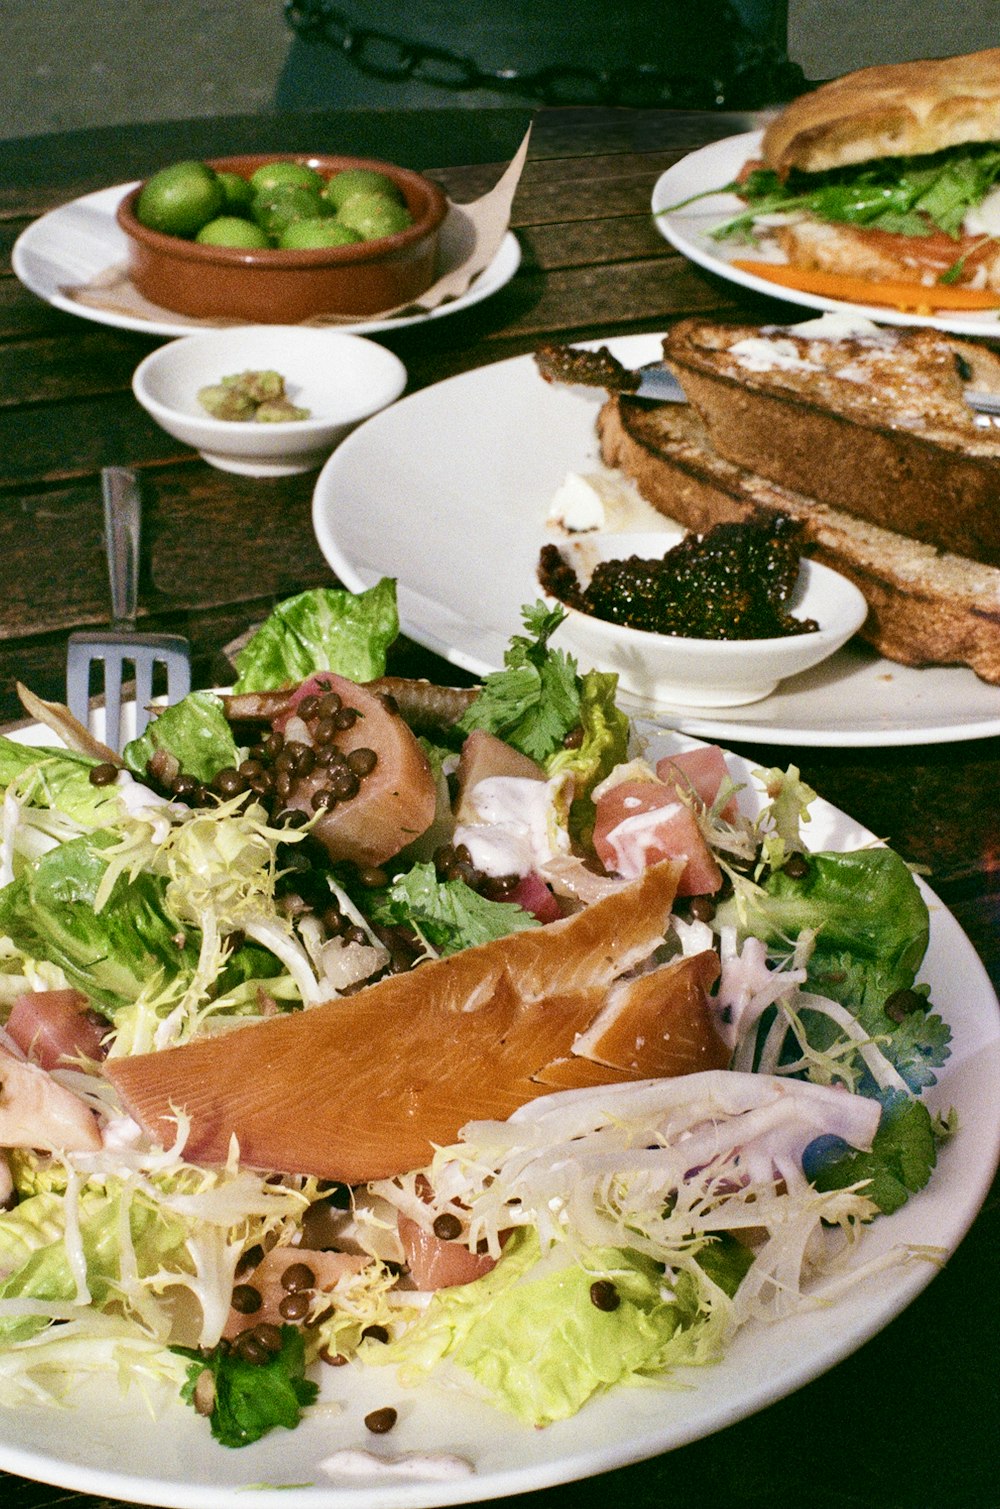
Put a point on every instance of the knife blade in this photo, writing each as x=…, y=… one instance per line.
x=660, y=384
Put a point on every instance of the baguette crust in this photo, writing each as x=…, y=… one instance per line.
x=924, y=608
x=874, y=426
x=892, y=110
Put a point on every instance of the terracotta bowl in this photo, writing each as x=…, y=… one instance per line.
x=285, y=287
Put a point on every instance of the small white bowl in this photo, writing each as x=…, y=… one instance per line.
x=706, y=672
x=340, y=378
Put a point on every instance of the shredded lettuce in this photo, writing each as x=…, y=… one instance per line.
x=604, y=745
x=911, y=196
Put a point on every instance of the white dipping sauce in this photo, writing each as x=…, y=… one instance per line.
x=440, y=1466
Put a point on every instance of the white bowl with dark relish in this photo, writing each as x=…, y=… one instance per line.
x=719, y=644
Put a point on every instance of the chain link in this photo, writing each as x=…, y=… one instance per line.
x=760, y=75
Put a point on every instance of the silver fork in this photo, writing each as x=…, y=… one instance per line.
x=122, y=645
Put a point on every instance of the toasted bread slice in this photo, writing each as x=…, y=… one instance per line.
x=873, y=424
x=924, y=607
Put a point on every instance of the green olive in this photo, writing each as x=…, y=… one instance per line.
x=180, y=199
x=275, y=175
x=302, y=235
x=359, y=180
x=374, y=215
x=232, y=230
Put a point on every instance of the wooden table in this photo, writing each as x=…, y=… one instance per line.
x=910, y=1421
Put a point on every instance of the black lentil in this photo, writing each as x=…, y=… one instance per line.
x=104, y=774
x=246, y=1299
x=796, y=866
x=381, y=1420
x=298, y=1276
x=295, y=1307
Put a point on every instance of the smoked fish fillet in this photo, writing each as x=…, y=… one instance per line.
x=363, y=1087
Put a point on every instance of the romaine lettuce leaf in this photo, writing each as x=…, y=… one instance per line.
x=35, y=1262
x=867, y=914
x=57, y=778
x=111, y=955
x=194, y=730
x=532, y=1336
x=326, y=629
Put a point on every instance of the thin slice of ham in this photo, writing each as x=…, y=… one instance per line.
x=57, y=1027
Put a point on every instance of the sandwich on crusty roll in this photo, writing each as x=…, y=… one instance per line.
x=890, y=173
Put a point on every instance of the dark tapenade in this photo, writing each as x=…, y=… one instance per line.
x=733, y=582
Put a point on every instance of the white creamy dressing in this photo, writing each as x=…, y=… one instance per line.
x=516, y=831
x=577, y=504
x=632, y=838
x=440, y=1466
x=842, y=327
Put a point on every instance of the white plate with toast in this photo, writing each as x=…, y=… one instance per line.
x=448, y=491
x=690, y=228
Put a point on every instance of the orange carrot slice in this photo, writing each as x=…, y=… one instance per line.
x=914, y=298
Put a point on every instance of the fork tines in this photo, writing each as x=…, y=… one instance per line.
x=116, y=651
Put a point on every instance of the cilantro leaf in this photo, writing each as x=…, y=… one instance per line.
x=448, y=913
x=534, y=702
x=252, y=1398
x=901, y=1160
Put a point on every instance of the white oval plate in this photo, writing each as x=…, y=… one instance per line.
x=448, y=491
x=111, y=1445
x=689, y=231
x=70, y=245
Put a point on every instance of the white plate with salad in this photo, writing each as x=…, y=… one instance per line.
x=687, y=213
x=466, y=1428
x=79, y=243
x=449, y=490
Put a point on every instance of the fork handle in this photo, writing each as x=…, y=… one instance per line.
x=122, y=527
